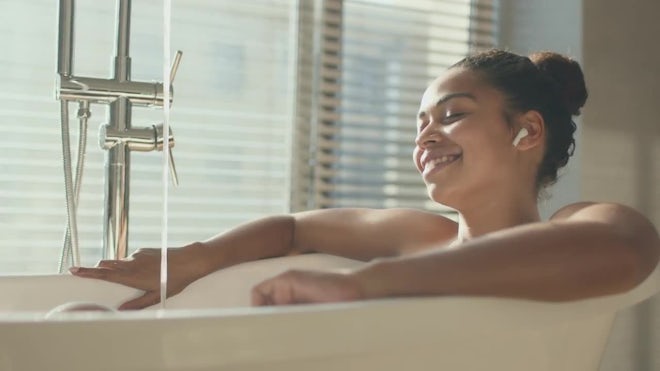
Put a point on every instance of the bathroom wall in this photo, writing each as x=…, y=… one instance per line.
x=618, y=140
x=621, y=144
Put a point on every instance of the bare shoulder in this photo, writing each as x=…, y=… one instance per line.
x=620, y=217
x=628, y=224
x=371, y=232
x=416, y=225
x=411, y=215
x=423, y=229
x=396, y=218
x=570, y=209
x=424, y=220
x=606, y=212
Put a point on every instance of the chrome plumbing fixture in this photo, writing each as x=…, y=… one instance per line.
x=118, y=136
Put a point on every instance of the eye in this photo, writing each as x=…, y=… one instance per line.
x=448, y=119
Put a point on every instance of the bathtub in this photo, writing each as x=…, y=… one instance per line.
x=211, y=327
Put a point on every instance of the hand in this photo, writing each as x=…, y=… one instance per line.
x=142, y=271
x=296, y=287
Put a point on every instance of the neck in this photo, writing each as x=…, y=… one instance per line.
x=494, y=215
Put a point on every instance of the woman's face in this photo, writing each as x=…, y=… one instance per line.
x=464, y=145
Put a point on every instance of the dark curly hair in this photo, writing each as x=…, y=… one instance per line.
x=547, y=82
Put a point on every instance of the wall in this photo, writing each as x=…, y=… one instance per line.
x=618, y=141
x=621, y=144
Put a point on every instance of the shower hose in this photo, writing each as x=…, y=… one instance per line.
x=70, y=254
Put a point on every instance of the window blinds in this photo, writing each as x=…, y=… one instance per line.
x=279, y=105
x=231, y=118
x=376, y=59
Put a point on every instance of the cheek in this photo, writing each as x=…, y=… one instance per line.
x=417, y=155
x=487, y=159
x=481, y=153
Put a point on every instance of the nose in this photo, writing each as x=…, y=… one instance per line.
x=428, y=135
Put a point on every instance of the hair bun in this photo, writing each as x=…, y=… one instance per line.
x=567, y=74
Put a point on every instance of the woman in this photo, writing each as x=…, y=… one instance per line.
x=491, y=134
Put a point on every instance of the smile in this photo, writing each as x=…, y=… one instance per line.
x=439, y=163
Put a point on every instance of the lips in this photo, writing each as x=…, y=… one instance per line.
x=432, y=163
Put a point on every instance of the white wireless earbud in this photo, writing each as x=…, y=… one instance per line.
x=521, y=134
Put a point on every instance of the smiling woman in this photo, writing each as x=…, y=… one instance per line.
x=481, y=101
x=237, y=160
x=468, y=122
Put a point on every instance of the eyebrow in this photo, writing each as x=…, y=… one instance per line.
x=446, y=98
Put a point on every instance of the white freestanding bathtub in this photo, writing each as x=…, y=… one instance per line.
x=210, y=327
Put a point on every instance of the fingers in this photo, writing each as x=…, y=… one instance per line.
x=262, y=294
x=268, y=293
x=148, y=299
x=98, y=272
x=112, y=275
x=145, y=251
x=298, y=287
x=280, y=290
x=111, y=264
x=258, y=298
x=102, y=273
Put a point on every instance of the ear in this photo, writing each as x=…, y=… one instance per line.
x=533, y=123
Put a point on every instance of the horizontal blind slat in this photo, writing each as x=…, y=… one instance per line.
x=232, y=154
x=366, y=122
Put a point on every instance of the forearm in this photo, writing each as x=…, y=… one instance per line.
x=263, y=238
x=352, y=233
x=541, y=261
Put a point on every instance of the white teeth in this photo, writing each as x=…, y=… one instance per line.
x=440, y=160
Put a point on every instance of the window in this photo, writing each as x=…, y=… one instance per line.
x=377, y=58
x=231, y=119
x=280, y=105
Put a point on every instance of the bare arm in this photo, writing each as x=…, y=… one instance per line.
x=587, y=250
x=354, y=233
x=362, y=234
